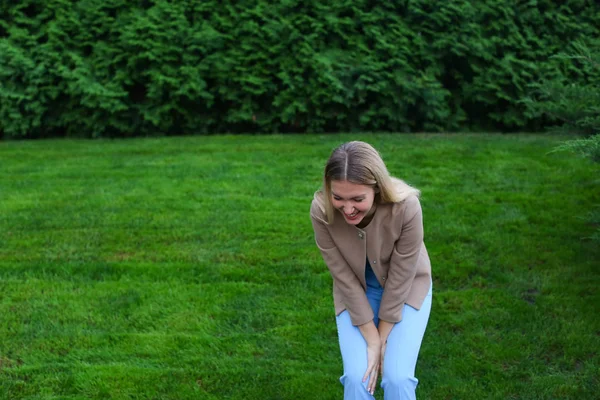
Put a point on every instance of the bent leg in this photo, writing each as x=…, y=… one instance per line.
x=402, y=351
x=354, y=356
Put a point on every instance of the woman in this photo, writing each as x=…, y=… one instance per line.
x=369, y=229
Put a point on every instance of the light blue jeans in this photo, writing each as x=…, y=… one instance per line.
x=404, y=342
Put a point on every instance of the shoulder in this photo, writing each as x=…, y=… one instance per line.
x=412, y=203
x=406, y=209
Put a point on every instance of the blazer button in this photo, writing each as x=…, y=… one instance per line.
x=360, y=235
x=374, y=262
x=383, y=278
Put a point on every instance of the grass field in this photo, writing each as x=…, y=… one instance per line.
x=185, y=268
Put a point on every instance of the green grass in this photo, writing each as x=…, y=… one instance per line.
x=185, y=268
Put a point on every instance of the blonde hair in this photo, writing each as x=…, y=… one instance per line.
x=358, y=162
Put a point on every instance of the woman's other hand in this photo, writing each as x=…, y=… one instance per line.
x=373, y=360
x=371, y=335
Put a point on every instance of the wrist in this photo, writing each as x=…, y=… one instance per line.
x=375, y=341
x=370, y=334
x=384, y=330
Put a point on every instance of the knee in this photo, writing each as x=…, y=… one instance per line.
x=353, y=379
x=401, y=383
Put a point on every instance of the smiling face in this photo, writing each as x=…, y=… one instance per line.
x=354, y=201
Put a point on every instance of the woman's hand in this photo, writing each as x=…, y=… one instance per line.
x=384, y=331
x=371, y=335
x=373, y=359
x=383, y=346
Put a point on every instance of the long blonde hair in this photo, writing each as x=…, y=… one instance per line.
x=358, y=162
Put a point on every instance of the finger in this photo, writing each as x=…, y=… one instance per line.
x=373, y=381
x=367, y=372
x=381, y=361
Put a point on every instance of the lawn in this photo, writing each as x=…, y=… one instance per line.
x=185, y=268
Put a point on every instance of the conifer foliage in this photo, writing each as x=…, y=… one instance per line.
x=101, y=68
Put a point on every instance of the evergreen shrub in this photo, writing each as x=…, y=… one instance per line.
x=101, y=68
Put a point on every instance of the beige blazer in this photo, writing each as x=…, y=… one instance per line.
x=393, y=244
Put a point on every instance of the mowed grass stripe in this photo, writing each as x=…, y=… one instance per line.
x=185, y=268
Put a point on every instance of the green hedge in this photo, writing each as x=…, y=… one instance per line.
x=575, y=105
x=100, y=68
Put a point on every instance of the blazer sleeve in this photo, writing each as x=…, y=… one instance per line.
x=354, y=296
x=403, y=263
